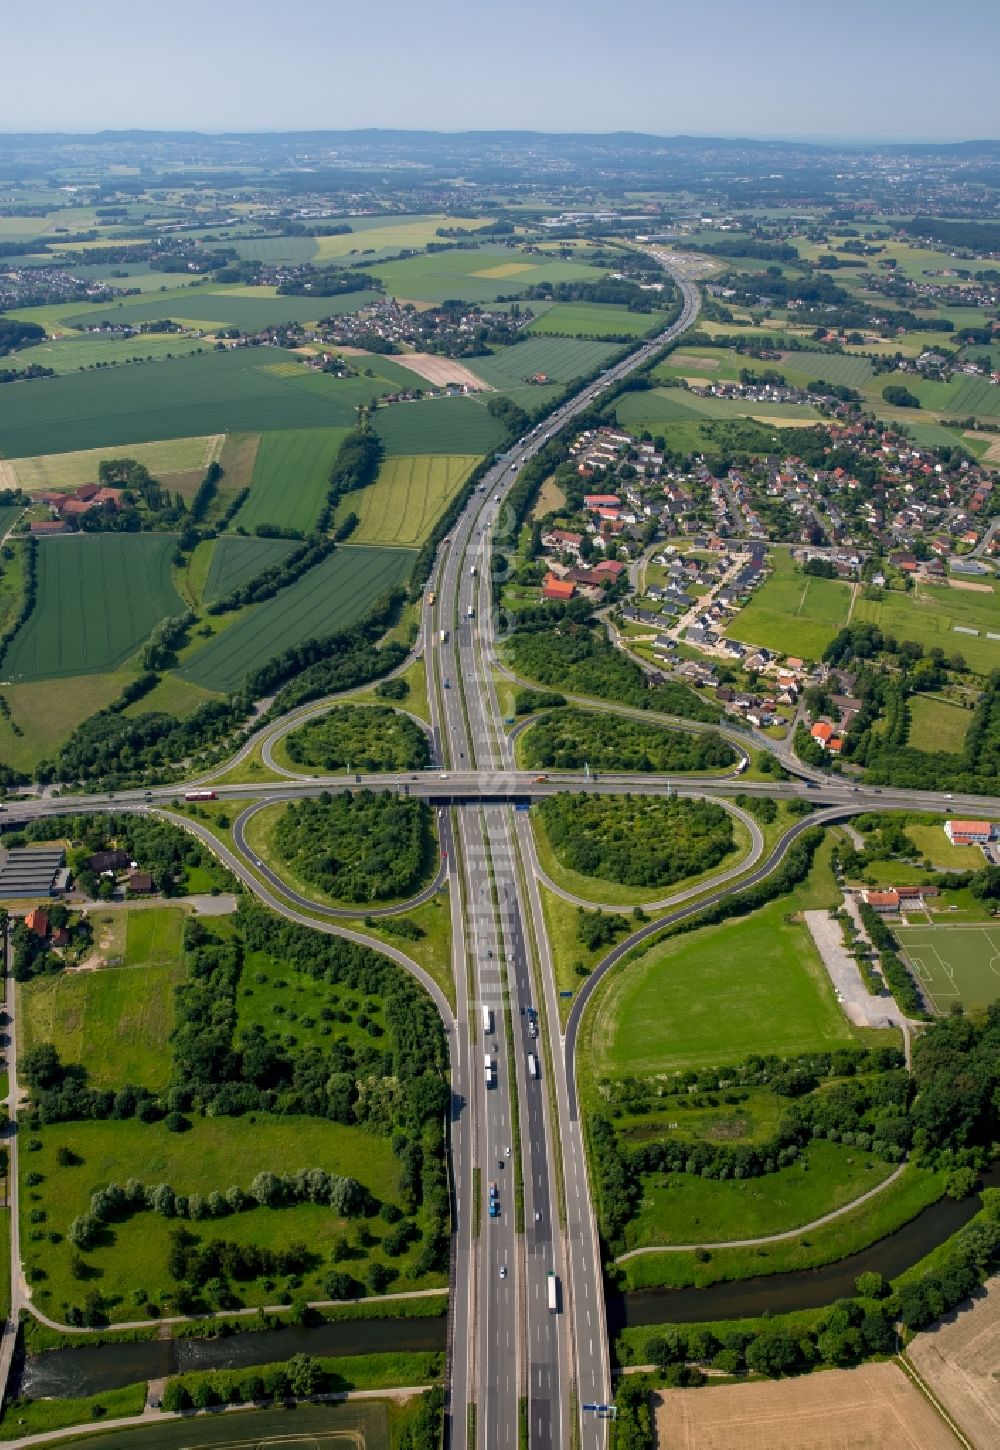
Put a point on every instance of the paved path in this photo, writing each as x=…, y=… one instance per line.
x=790, y=1233
x=860, y=1006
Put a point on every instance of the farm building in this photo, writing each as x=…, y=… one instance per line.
x=969, y=833
x=553, y=588
x=32, y=872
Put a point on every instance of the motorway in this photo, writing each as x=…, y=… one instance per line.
x=508, y=1354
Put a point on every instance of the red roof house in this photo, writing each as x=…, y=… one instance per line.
x=553, y=588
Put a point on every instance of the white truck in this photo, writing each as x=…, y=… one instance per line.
x=532, y=1065
x=443, y=636
x=472, y=571
x=487, y=1021
x=488, y=1069
x=553, y=1292
x=470, y=612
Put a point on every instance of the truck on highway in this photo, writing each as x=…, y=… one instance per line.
x=431, y=596
x=488, y=1069
x=470, y=612
x=200, y=795
x=472, y=571
x=532, y=1065
x=487, y=1020
x=443, y=636
x=553, y=1292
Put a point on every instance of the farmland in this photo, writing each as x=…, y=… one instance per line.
x=47, y=712
x=762, y=969
x=410, y=493
x=954, y=963
x=69, y=470
x=326, y=599
x=651, y=409
x=248, y=308
x=560, y=359
x=290, y=478
x=792, y=612
x=99, y=596
x=930, y=614
x=594, y=319
x=843, y=1409
x=244, y=389
x=479, y=275
x=958, y=1360
x=438, y=425
x=236, y=560
x=71, y=354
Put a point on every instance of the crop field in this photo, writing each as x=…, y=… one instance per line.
x=290, y=478
x=594, y=319
x=929, y=616
x=99, y=596
x=871, y=1406
x=249, y=308
x=960, y=398
x=386, y=234
x=240, y=390
x=70, y=354
x=236, y=560
x=794, y=613
x=805, y=367
x=294, y=250
x=958, y=1360
x=690, y=1001
x=954, y=963
x=68, y=470
x=360, y=1425
x=438, y=425
x=408, y=496
x=653, y=408
x=936, y=724
x=560, y=359
x=326, y=599
x=474, y=276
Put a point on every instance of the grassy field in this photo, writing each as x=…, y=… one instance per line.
x=71, y=354
x=936, y=724
x=761, y=970
x=327, y=598
x=213, y=1154
x=277, y=998
x=386, y=233
x=653, y=408
x=560, y=359
x=594, y=319
x=99, y=596
x=793, y=612
x=409, y=495
x=242, y=389
x=248, y=308
x=681, y=1208
x=290, y=478
x=154, y=937
x=481, y=275
x=954, y=963
x=115, y=1021
x=438, y=425
x=48, y=711
x=236, y=560
x=929, y=616
x=69, y=470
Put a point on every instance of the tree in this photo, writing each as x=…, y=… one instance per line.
x=870, y=1285
x=772, y=1353
x=304, y=1376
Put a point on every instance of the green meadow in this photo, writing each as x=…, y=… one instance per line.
x=290, y=478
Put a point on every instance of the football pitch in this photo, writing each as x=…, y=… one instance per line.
x=954, y=963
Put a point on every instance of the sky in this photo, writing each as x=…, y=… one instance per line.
x=849, y=70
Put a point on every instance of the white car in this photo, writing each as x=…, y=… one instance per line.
x=503, y=1271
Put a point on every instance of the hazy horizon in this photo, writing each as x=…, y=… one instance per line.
x=779, y=71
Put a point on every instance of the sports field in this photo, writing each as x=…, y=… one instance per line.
x=750, y=985
x=290, y=478
x=326, y=599
x=406, y=499
x=930, y=614
x=69, y=470
x=560, y=359
x=595, y=319
x=99, y=596
x=438, y=425
x=241, y=390
x=954, y=963
x=792, y=612
x=236, y=560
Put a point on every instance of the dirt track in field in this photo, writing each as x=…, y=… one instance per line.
x=874, y=1407
x=960, y=1360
